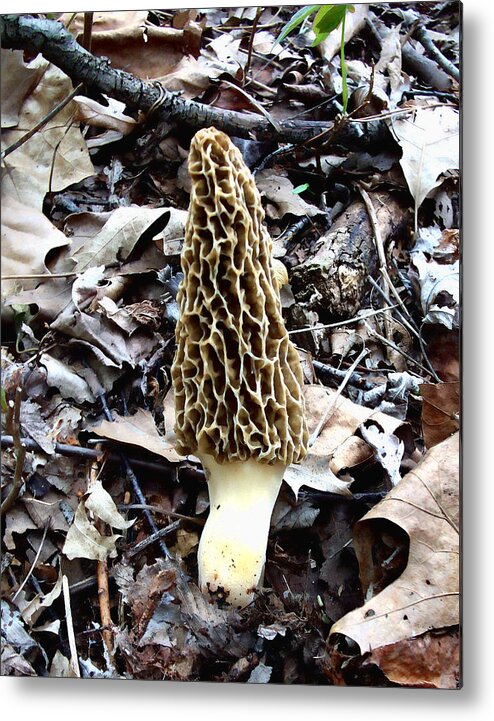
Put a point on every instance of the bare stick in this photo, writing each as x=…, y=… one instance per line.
x=40, y=125
x=74, y=661
x=426, y=41
x=38, y=276
x=396, y=348
x=326, y=416
x=102, y=577
x=57, y=45
x=251, y=41
x=380, y=246
x=349, y=321
x=33, y=565
x=65, y=449
x=20, y=453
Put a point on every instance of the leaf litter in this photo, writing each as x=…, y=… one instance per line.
x=353, y=590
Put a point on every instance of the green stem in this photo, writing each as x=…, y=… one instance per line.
x=343, y=66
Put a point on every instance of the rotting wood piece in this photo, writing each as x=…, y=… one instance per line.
x=334, y=281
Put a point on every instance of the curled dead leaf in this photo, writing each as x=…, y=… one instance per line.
x=440, y=411
x=425, y=596
x=109, y=116
x=139, y=430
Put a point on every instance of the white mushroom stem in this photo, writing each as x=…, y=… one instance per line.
x=232, y=549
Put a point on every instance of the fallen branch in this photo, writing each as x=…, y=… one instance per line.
x=13, y=424
x=426, y=41
x=58, y=46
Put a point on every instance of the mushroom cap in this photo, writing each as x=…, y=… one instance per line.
x=237, y=377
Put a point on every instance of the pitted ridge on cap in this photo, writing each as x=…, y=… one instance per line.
x=237, y=376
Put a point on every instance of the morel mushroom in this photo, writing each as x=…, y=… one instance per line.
x=236, y=375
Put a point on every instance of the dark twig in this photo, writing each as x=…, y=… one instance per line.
x=142, y=545
x=61, y=105
x=88, y=31
x=56, y=44
x=426, y=41
x=251, y=42
x=135, y=484
x=64, y=449
x=20, y=454
x=324, y=371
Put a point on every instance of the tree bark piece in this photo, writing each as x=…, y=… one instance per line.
x=56, y=44
x=334, y=281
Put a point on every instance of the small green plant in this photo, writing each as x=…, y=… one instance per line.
x=3, y=400
x=327, y=19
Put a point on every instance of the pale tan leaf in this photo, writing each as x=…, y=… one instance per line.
x=336, y=447
x=139, y=430
x=440, y=411
x=106, y=21
x=27, y=238
x=189, y=76
x=57, y=151
x=17, y=80
x=425, y=504
x=353, y=23
x=83, y=540
x=117, y=238
x=109, y=116
x=429, y=138
x=31, y=610
x=60, y=376
x=103, y=506
x=140, y=48
x=278, y=190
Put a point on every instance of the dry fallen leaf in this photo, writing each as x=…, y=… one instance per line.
x=282, y=200
x=353, y=23
x=60, y=376
x=83, y=540
x=429, y=138
x=17, y=80
x=428, y=661
x=27, y=238
x=109, y=116
x=337, y=446
x=425, y=596
x=439, y=287
x=440, y=411
x=117, y=237
x=60, y=152
x=139, y=430
x=105, y=21
x=138, y=47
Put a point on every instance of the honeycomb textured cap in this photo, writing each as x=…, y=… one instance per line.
x=236, y=375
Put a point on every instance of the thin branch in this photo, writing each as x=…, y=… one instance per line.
x=33, y=565
x=135, y=483
x=74, y=661
x=65, y=449
x=426, y=41
x=327, y=414
x=20, y=452
x=102, y=578
x=58, y=46
x=396, y=348
x=251, y=41
x=46, y=119
x=349, y=321
x=142, y=545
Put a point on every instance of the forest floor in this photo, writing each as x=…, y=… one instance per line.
x=101, y=518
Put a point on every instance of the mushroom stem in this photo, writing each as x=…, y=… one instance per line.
x=232, y=549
